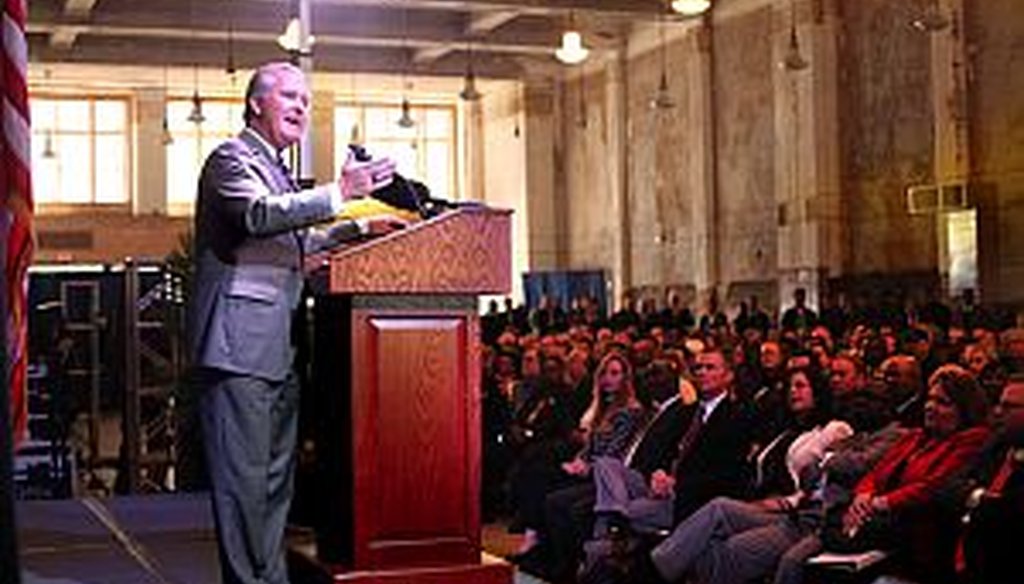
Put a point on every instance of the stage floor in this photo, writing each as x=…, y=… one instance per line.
x=151, y=539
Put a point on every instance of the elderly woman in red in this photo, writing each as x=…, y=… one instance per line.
x=896, y=498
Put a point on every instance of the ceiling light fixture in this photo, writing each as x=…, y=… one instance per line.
x=48, y=139
x=933, y=20
x=663, y=98
x=572, y=51
x=691, y=7
x=793, y=60
x=196, y=115
x=405, y=121
x=166, y=138
x=291, y=39
x=469, y=91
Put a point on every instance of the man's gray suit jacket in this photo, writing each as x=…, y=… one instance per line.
x=252, y=231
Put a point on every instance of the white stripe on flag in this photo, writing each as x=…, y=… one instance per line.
x=15, y=45
x=17, y=131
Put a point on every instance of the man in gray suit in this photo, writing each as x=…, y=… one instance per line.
x=253, y=228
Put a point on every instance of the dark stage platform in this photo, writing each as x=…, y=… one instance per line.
x=154, y=539
x=150, y=539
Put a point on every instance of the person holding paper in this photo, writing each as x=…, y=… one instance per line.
x=253, y=227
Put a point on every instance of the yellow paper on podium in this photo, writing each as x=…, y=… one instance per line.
x=369, y=207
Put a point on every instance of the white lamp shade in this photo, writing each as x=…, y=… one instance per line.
x=691, y=7
x=572, y=51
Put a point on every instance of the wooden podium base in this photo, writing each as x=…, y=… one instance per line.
x=490, y=570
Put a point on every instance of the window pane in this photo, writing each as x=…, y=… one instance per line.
x=44, y=172
x=182, y=171
x=43, y=112
x=402, y=152
x=439, y=123
x=344, y=120
x=425, y=152
x=220, y=117
x=381, y=122
x=111, y=169
x=177, y=116
x=111, y=116
x=73, y=115
x=74, y=158
x=439, y=169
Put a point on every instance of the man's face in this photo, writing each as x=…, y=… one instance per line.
x=771, y=356
x=712, y=374
x=282, y=114
x=843, y=376
x=1009, y=412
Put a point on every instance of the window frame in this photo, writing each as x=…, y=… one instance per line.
x=128, y=133
x=419, y=111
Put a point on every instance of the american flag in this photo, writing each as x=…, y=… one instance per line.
x=16, y=207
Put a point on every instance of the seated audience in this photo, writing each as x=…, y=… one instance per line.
x=729, y=540
x=608, y=426
x=895, y=504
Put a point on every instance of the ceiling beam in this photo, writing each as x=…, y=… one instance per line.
x=535, y=7
x=64, y=37
x=480, y=23
x=183, y=34
x=78, y=8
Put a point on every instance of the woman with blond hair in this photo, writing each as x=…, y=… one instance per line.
x=606, y=428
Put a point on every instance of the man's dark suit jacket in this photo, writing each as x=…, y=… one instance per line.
x=716, y=465
x=657, y=444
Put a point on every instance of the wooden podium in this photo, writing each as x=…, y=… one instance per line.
x=396, y=370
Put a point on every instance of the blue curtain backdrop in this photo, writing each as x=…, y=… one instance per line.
x=564, y=286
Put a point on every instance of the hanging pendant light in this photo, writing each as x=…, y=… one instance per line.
x=48, y=151
x=469, y=91
x=230, y=67
x=691, y=7
x=166, y=138
x=196, y=115
x=291, y=39
x=933, y=20
x=572, y=51
x=663, y=98
x=406, y=120
x=793, y=60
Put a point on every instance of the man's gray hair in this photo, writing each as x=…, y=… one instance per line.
x=262, y=81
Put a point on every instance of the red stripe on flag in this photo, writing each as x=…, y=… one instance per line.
x=16, y=182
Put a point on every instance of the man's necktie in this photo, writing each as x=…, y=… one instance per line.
x=689, y=439
x=286, y=174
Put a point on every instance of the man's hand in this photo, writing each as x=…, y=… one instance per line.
x=359, y=179
x=576, y=467
x=381, y=224
x=662, y=484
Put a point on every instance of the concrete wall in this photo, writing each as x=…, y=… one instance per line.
x=886, y=117
x=995, y=96
x=810, y=167
x=745, y=147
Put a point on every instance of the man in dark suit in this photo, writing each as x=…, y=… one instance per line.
x=253, y=227
x=708, y=459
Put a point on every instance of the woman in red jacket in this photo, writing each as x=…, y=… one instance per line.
x=897, y=497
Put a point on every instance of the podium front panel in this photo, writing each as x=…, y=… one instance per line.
x=416, y=431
